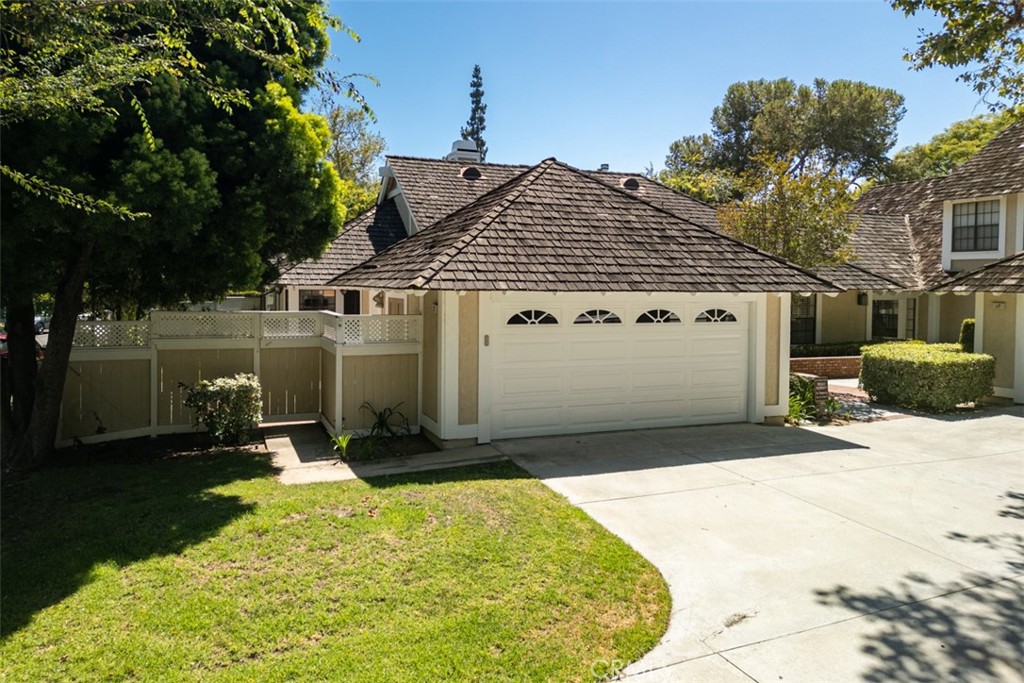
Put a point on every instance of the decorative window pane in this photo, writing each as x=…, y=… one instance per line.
x=316, y=299
x=715, y=315
x=597, y=316
x=532, y=317
x=976, y=226
x=802, y=320
x=658, y=315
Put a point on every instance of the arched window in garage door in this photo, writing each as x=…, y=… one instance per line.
x=658, y=315
x=597, y=316
x=532, y=317
x=715, y=315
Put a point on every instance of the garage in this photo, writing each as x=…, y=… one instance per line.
x=567, y=364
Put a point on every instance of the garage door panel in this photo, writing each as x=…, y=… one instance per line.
x=597, y=415
x=715, y=378
x=668, y=349
x=531, y=417
x=526, y=387
x=726, y=407
x=597, y=380
x=716, y=345
x=655, y=378
x=590, y=350
x=531, y=351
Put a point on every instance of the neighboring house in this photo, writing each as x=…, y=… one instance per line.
x=998, y=297
x=914, y=237
x=559, y=301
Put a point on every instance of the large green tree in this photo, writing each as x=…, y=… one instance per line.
x=477, y=123
x=983, y=38
x=842, y=127
x=947, y=150
x=805, y=219
x=356, y=152
x=220, y=189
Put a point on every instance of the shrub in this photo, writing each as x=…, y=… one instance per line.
x=925, y=376
x=967, y=335
x=801, y=399
x=850, y=348
x=230, y=407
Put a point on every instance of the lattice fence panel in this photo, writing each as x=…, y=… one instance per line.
x=111, y=334
x=380, y=329
x=220, y=325
x=290, y=326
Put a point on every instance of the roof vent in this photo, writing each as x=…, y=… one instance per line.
x=471, y=173
x=631, y=184
x=604, y=167
x=464, y=150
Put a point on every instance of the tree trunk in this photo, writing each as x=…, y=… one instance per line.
x=33, y=440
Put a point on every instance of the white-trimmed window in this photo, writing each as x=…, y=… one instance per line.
x=658, y=315
x=597, y=316
x=715, y=315
x=976, y=226
x=532, y=317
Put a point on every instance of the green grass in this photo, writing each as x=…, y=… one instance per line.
x=203, y=566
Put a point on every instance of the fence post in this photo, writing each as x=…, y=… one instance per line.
x=338, y=383
x=154, y=378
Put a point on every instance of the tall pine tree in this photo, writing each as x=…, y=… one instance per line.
x=475, y=126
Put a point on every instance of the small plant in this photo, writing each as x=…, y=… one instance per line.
x=340, y=442
x=230, y=407
x=801, y=400
x=387, y=421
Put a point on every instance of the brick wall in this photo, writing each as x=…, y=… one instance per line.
x=836, y=367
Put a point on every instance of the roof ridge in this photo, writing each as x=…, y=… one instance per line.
x=722, y=235
x=524, y=180
x=461, y=162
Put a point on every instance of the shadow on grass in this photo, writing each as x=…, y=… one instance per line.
x=975, y=631
x=61, y=522
x=501, y=470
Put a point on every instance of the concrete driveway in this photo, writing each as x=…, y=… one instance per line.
x=886, y=551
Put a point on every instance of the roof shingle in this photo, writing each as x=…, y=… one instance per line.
x=1004, y=277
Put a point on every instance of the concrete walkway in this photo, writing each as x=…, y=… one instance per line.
x=304, y=454
x=885, y=551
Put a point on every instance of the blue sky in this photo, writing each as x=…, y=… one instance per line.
x=617, y=82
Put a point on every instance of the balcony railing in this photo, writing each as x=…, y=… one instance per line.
x=250, y=325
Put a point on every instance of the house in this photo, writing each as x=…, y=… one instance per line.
x=913, y=239
x=558, y=301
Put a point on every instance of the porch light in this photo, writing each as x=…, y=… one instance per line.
x=862, y=298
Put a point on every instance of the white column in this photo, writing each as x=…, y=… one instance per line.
x=338, y=395
x=934, y=317
x=1018, y=345
x=448, y=373
x=901, y=318
x=979, y=322
x=484, y=369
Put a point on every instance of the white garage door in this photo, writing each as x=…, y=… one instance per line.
x=562, y=368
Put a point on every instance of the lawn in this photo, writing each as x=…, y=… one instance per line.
x=202, y=566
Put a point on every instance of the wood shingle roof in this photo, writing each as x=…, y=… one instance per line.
x=1004, y=277
x=555, y=228
x=435, y=188
x=366, y=235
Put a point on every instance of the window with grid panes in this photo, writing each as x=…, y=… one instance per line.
x=801, y=320
x=976, y=226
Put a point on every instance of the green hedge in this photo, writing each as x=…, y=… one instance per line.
x=967, y=335
x=850, y=348
x=925, y=376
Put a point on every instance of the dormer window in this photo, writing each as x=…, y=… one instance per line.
x=976, y=226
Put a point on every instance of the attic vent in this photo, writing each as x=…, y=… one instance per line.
x=631, y=184
x=471, y=173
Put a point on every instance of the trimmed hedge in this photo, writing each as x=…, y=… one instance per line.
x=851, y=348
x=936, y=377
